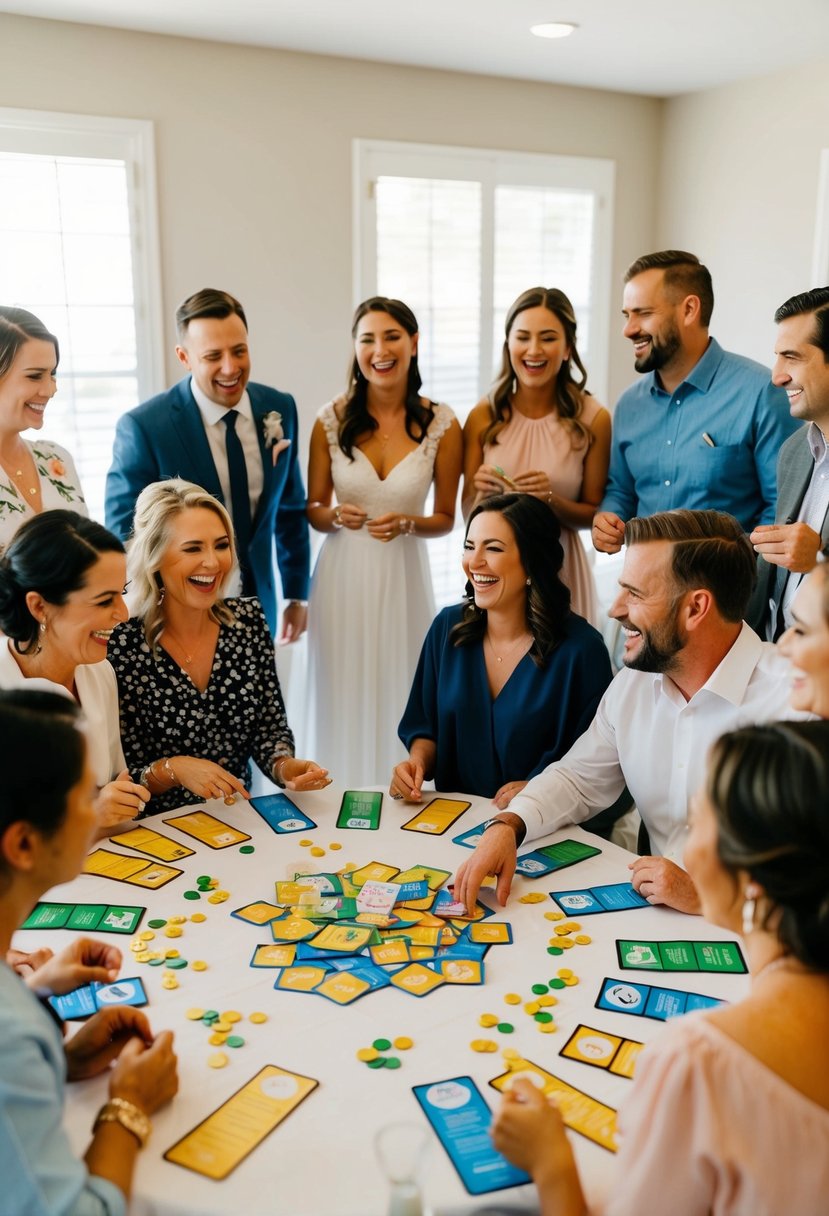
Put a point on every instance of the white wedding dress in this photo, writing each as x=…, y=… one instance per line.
x=370, y=607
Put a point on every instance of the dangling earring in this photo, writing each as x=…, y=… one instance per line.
x=39, y=646
x=161, y=593
x=750, y=908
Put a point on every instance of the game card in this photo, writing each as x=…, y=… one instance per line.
x=681, y=956
x=259, y=913
x=301, y=977
x=207, y=829
x=460, y=970
x=81, y=1003
x=343, y=987
x=390, y=953
x=129, y=869
x=153, y=844
x=554, y=857
x=616, y=897
x=273, y=956
x=581, y=1113
x=491, y=933
x=281, y=814
x=602, y=1050
x=417, y=980
x=378, y=897
x=293, y=929
x=437, y=816
x=428, y=874
x=360, y=809
x=347, y=939
x=643, y=1000
x=471, y=838
x=224, y=1139
x=461, y=1119
x=376, y=870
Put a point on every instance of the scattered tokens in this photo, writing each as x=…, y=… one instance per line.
x=573, y=926
x=335, y=846
x=223, y=1026
x=210, y=1015
x=218, y=897
x=156, y=961
x=509, y=1054
x=566, y=943
x=195, y=1014
x=487, y=1020
x=546, y=1001
x=564, y=973
x=367, y=1054
x=306, y=844
x=247, y=848
x=168, y=980
x=203, y=880
x=156, y=924
x=199, y=964
x=191, y=895
x=177, y=920
x=137, y=947
x=231, y=1016
x=533, y=897
x=505, y=1027
x=543, y=1017
x=532, y=1007
x=198, y=918
x=381, y=1044
x=217, y=1040
x=217, y=1060
x=176, y=963
x=554, y=950
x=235, y=1040
x=173, y=931
x=143, y=957
x=562, y=930
x=402, y=1043
x=147, y=935
x=256, y=1018
x=483, y=1045
x=377, y=1062
x=540, y=989
x=554, y=916
x=582, y=940
x=557, y=983
x=392, y=1062
x=171, y=953
x=512, y=998
x=316, y=851
x=572, y=981
x=547, y=1027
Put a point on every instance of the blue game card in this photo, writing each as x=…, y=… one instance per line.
x=281, y=814
x=461, y=1120
x=471, y=838
x=617, y=897
x=643, y=1000
x=621, y=996
x=83, y=1002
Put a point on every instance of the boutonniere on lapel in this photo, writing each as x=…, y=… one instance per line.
x=274, y=434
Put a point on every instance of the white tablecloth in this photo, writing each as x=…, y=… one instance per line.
x=321, y=1159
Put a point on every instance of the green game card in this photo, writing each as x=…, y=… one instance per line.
x=720, y=956
x=639, y=956
x=121, y=918
x=86, y=917
x=567, y=852
x=360, y=809
x=677, y=956
x=48, y=916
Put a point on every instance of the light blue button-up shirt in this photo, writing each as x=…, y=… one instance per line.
x=712, y=443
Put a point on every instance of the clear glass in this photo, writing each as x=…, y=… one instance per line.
x=399, y=1148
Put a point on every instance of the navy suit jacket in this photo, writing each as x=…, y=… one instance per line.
x=165, y=437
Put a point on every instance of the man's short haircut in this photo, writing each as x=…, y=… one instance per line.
x=710, y=550
x=685, y=275
x=208, y=303
x=816, y=301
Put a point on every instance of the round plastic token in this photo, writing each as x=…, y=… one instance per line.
x=172, y=953
x=554, y=950
x=571, y=981
x=543, y=1017
x=169, y=981
x=335, y=846
x=557, y=983
x=566, y=943
x=573, y=926
x=564, y=973
x=211, y=1015
x=235, y=1040
x=143, y=956
x=195, y=1015
x=172, y=931
x=510, y=1053
x=147, y=935
x=137, y=946
x=306, y=844
x=561, y=930
x=156, y=924
x=198, y=918
x=379, y=1062
x=367, y=1054
x=217, y=1040
x=547, y=1027
x=177, y=920
x=582, y=940
x=316, y=851
x=156, y=961
x=247, y=848
x=487, y=1019
x=533, y=1006
x=199, y=965
x=381, y=1044
x=217, y=1060
x=257, y=1018
x=223, y=1026
x=231, y=1016
x=218, y=897
x=534, y=897
x=540, y=989
x=505, y=1027
x=554, y=916
x=230, y=800
x=176, y=963
x=392, y=1062
x=512, y=998
x=546, y=1001
x=483, y=1045
x=402, y=1043
x=203, y=878
x=191, y=895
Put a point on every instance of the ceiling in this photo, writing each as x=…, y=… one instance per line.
x=657, y=47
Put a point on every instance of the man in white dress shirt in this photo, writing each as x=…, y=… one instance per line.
x=693, y=670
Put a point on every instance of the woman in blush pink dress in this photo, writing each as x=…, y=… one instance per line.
x=729, y=1111
x=540, y=432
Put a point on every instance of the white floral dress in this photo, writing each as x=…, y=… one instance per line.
x=59, y=487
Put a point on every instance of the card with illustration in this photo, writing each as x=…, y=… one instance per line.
x=100, y=918
x=461, y=1119
x=281, y=814
x=377, y=871
x=224, y=1139
x=643, y=1000
x=360, y=809
x=301, y=977
x=346, y=939
x=460, y=970
x=602, y=1050
x=132, y=870
x=436, y=817
x=417, y=980
x=273, y=956
x=344, y=987
x=390, y=953
x=681, y=956
x=471, y=838
x=152, y=844
x=432, y=877
x=490, y=933
x=82, y=1002
x=259, y=913
x=552, y=857
x=378, y=897
x=293, y=929
x=207, y=829
x=580, y=1112
x=615, y=897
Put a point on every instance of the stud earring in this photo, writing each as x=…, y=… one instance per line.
x=529, y=584
x=749, y=908
x=161, y=593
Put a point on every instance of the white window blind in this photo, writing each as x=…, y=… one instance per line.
x=78, y=249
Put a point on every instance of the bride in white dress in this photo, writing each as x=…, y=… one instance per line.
x=378, y=449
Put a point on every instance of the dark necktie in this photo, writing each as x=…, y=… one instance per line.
x=239, y=496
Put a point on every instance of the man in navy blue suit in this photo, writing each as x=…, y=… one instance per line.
x=238, y=440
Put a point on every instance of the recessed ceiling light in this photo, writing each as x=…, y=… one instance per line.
x=554, y=29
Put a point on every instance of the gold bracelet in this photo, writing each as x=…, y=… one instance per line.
x=131, y=1118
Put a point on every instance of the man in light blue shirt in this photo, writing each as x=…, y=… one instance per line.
x=703, y=427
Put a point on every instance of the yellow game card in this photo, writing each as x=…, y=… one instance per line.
x=390, y=952
x=348, y=938
x=289, y=893
x=461, y=970
x=416, y=953
x=342, y=987
x=273, y=956
x=624, y=1062
x=436, y=817
x=424, y=935
x=376, y=870
x=145, y=840
x=232, y=1132
x=428, y=874
x=154, y=876
x=132, y=870
x=581, y=1113
x=208, y=830
x=301, y=978
x=603, y=1050
x=417, y=980
x=491, y=933
x=293, y=929
x=259, y=913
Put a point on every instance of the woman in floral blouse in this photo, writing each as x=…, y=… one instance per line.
x=35, y=475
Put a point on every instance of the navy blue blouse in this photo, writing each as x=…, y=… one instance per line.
x=539, y=713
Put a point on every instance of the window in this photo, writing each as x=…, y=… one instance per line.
x=78, y=248
x=458, y=234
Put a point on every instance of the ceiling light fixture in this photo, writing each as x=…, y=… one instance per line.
x=554, y=29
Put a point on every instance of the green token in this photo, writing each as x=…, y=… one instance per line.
x=554, y=950
x=234, y=1040
x=247, y=848
x=380, y=1062
x=505, y=1027
x=392, y=1062
x=543, y=1017
x=381, y=1044
x=157, y=962
x=210, y=1015
x=176, y=964
x=192, y=895
x=203, y=878
x=557, y=983
x=156, y=924
x=539, y=989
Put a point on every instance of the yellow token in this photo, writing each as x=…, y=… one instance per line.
x=564, y=973
x=571, y=981
x=217, y=1060
x=509, y=1053
x=488, y=1019
x=216, y=1039
x=172, y=953
x=137, y=946
x=222, y=1026
x=258, y=1018
x=199, y=965
x=532, y=1007
x=561, y=930
x=335, y=846
x=566, y=943
x=547, y=1027
x=512, y=998
x=232, y=1015
x=534, y=897
x=306, y=844
x=367, y=1053
x=177, y=920
x=213, y=884
x=173, y=931
x=147, y=935
x=554, y=916
x=143, y=957
x=198, y=917
x=483, y=1045
x=194, y=1014
x=316, y=851
x=169, y=981
x=402, y=1043
x=582, y=940
x=218, y=897
x=573, y=926
x=546, y=1001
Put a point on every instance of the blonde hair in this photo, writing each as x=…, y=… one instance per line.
x=156, y=508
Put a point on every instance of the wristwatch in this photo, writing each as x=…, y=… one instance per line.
x=519, y=835
x=119, y=1110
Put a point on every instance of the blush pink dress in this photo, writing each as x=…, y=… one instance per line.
x=546, y=444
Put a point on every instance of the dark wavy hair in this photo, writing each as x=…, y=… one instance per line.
x=356, y=420
x=569, y=390
x=49, y=554
x=17, y=326
x=769, y=787
x=537, y=534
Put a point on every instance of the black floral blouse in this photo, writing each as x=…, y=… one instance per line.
x=240, y=716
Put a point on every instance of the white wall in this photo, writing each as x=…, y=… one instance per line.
x=254, y=166
x=738, y=186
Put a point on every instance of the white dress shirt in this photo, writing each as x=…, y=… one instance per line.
x=212, y=415
x=647, y=736
x=812, y=510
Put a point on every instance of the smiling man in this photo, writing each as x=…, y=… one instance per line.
x=692, y=670
x=703, y=427
x=237, y=440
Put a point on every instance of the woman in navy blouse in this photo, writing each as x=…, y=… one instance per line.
x=510, y=678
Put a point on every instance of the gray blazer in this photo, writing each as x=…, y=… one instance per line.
x=795, y=465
